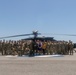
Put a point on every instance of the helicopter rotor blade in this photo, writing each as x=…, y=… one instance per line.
x=67, y=34
x=37, y=34
x=60, y=34
x=15, y=36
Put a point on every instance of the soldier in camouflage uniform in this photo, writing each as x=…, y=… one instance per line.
x=27, y=48
x=31, y=46
x=1, y=50
x=4, y=47
x=70, y=48
x=53, y=46
x=63, y=48
x=60, y=48
x=57, y=48
x=66, y=48
x=50, y=48
x=14, y=48
x=20, y=48
x=47, y=47
x=44, y=44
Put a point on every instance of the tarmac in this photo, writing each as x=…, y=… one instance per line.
x=49, y=65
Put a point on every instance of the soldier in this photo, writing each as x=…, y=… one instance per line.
x=66, y=48
x=48, y=47
x=25, y=48
x=51, y=48
x=54, y=48
x=71, y=47
x=14, y=48
x=4, y=47
x=57, y=48
x=20, y=51
x=10, y=47
x=39, y=46
x=31, y=46
x=1, y=50
x=63, y=48
x=36, y=47
x=44, y=44
x=60, y=48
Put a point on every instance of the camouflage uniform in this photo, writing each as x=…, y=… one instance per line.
x=63, y=48
x=48, y=48
x=66, y=48
x=44, y=44
x=51, y=48
x=71, y=48
x=1, y=50
x=31, y=46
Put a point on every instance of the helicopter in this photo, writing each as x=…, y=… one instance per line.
x=35, y=37
x=35, y=34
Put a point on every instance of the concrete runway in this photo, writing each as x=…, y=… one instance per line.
x=38, y=66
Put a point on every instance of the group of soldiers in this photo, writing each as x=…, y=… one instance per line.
x=37, y=47
x=52, y=47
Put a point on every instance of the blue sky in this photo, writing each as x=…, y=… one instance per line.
x=46, y=16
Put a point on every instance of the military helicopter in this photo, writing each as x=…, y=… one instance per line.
x=35, y=37
x=35, y=34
